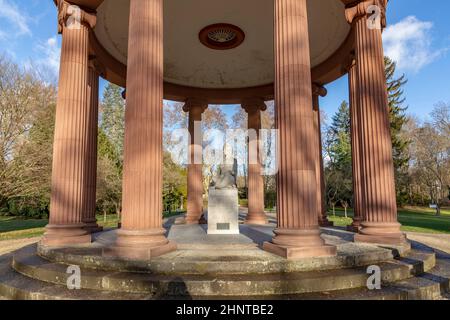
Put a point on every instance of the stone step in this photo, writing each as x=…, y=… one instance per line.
x=29, y=264
x=203, y=262
x=432, y=284
x=14, y=286
x=18, y=287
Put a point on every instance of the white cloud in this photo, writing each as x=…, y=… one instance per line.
x=409, y=43
x=14, y=17
x=50, y=52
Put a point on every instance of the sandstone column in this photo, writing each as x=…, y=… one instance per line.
x=256, y=214
x=356, y=147
x=297, y=234
x=195, y=167
x=142, y=235
x=377, y=170
x=320, y=176
x=91, y=152
x=70, y=155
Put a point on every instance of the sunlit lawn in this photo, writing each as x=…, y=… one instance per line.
x=20, y=228
x=413, y=219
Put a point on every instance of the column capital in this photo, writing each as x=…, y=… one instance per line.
x=97, y=66
x=319, y=90
x=195, y=104
x=66, y=10
x=252, y=104
x=349, y=63
x=361, y=9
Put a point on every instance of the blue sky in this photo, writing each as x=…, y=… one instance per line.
x=418, y=37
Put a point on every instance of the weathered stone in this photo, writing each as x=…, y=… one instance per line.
x=223, y=211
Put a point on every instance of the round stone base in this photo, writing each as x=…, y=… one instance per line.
x=381, y=233
x=300, y=252
x=256, y=219
x=65, y=235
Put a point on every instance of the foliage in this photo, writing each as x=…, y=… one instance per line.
x=27, y=108
x=398, y=119
x=174, y=185
x=338, y=174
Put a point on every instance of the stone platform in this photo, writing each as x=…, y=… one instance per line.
x=218, y=267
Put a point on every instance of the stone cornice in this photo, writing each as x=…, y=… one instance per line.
x=361, y=9
x=66, y=11
x=253, y=103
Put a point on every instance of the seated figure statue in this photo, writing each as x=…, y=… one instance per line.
x=226, y=175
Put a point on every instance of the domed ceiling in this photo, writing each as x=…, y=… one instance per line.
x=189, y=62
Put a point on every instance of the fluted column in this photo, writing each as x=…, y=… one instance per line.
x=380, y=223
x=297, y=234
x=91, y=152
x=142, y=235
x=256, y=213
x=194, y=214
x=356, y=149
x=320, y=176
x=70, y=154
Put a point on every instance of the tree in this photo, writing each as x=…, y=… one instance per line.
x=113, y=116
x=432, y=165
x=338, y=172
x=174, y=184
x=109, y=176
x=213, y=118
x=397, y=119
x=110, y=150
x=26, y=132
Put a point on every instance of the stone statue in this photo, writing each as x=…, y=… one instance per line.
x=226, y=175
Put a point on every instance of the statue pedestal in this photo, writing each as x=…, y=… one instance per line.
x=223, y=211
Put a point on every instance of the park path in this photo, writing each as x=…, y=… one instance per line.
x=436, y=241
x=7, y=246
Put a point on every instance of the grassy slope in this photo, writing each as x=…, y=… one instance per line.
x=412, y=219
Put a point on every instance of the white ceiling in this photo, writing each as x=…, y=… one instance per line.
x=188, y=62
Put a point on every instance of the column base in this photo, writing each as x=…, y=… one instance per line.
x=93, y=227
x=297, y=244
x=141, y=244
x=355, y=226
x=381, y=233
x=300, y=252
x=256, y=218
x=63, y=235
x=193, y=219
x=202, y=220
x=325, y=223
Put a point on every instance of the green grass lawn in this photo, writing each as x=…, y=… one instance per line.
x=414, y=219
x=19, y=228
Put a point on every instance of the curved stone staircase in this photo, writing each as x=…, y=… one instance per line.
x=420, y=274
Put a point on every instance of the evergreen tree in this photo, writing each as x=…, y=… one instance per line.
x=398, y=118
x=113, y=117
x=340, y=143
x=338, y=146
